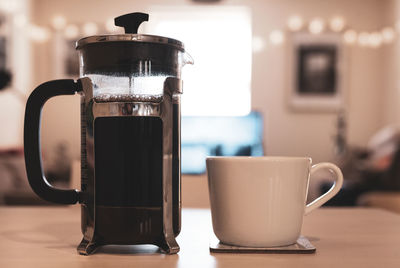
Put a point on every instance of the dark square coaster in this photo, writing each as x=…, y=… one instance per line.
x=302, y=246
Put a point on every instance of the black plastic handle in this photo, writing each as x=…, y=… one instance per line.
x=33, y=160
x=131, y=21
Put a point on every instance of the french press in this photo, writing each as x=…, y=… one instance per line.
x=130, y=90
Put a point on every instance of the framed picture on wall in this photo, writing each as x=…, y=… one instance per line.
x=317, y=77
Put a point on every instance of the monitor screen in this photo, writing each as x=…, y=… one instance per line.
x=204, y=136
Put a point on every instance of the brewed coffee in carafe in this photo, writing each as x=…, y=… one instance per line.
x=128, y=158
x=130, y=138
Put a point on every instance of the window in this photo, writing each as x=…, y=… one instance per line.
x=219, y=40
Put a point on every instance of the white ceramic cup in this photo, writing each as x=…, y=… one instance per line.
x=260, y=201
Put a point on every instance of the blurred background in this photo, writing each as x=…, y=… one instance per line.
x=275, y=77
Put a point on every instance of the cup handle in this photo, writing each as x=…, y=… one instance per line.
x=332, y=191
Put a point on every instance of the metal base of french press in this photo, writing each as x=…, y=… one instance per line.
x=87, y=247
x=169, y=247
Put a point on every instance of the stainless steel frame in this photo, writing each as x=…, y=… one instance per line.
x=90, y=110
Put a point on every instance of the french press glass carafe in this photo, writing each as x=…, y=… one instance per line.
x=130, y=90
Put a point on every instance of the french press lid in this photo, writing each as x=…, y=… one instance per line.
x=124, y=54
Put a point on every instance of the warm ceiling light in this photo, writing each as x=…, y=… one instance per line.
x=295, y=23
x=363, y=39
x=89, y=28
x=58, y=22
x=388, y=35
x=398, y=26
x=375, y=39
x=38, y=34
x=258, y=44
x=337, y=24
x=71, y=31
x=350, y=37
x=276, y=37
x=316, y=26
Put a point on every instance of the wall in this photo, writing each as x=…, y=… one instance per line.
x=286, y=132
x=391, y=56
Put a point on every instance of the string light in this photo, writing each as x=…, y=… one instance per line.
x=89, y=28
x=258, y=44
x=58, y=22
x=71, y=31
x=295, y=23
x=276, y=37
x=363, y=39
x=38, y=34
x=350, y=37
x=316, y=26
x=388, y=35
x=375, y=39
x=397, y=26
x=337, y=24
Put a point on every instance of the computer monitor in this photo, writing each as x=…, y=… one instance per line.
x=204, y=136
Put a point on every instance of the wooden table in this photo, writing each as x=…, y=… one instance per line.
x=47, y=237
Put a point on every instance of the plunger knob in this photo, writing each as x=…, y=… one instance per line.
x=131, y=21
